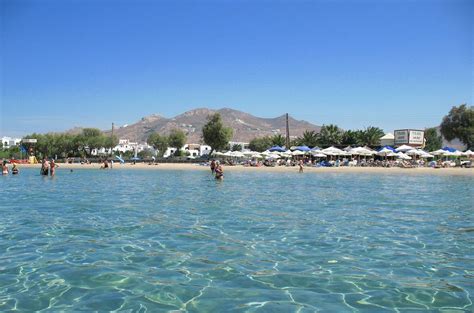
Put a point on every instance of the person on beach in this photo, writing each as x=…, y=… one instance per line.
x=105, y=165
x=219, y=171
x=15, y=169
x=300, y=164
x=53, y=166
x=44, y=167
x=213, y=166
x=4, y=168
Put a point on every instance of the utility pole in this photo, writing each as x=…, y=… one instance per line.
x=287, y=133
x=111, y=148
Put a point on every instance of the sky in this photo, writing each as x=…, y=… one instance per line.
x=385, y=63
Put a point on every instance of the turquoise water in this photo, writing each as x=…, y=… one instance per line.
x=150, y=241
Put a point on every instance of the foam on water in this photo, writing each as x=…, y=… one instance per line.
x=257, y=242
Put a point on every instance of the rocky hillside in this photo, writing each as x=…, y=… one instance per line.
x=246, y=126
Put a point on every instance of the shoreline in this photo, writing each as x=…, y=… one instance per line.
x=281, y=169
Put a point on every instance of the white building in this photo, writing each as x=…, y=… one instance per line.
x=9, y=142
x=387, y=140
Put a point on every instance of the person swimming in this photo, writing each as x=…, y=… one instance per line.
x=4, y=168
x=219, y=171
x=15, y=169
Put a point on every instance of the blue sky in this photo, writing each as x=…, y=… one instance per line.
x=392, y=64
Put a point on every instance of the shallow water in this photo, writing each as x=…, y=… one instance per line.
x=141, y=241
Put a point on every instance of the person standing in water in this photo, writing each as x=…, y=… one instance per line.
x=4, y=168
x=15, y=169
x=53, y=166
x=44, y=167
x=219, y=171
x=213, y=166
x=300, y=164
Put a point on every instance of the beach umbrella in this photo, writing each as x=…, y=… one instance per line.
x=316, y=148
x=297, y=152
x=332, y=151
x=273, y=156
x=347, y=149
x=249, y=153
x=135, y=159
x=403, y=156
x=384, y=151
x=439, y=152
x=404, y=148
x=228, y=153
x=237, y=154
x=257, y=156
x=392, y=154
x=276, y=149
x=468, y=153
x=319, y=155
x=361, y=151
x=303, y=148
x=457, y=153
x=446, y=148
x=414, y=152
x=286, y=154
x=427, y=155
x=218, y=153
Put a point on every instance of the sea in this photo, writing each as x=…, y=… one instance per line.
x=180, y=241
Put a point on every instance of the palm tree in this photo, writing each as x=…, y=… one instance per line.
x=309, y=138
x=330, y=135
x=372, y=135
x=278, y=140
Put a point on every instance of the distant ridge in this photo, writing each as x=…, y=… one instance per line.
x=245, y=126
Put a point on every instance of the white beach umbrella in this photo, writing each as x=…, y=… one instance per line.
x=414, y=152
x=257, y=156
x=392, y=154
x=273, y=156
x=403, y=156
x=332, y=151
x=228, y=153
x=361, y=151
x=427, y=156
x=218, y=153
x=266, y=153
x=404, y=148
x=319, y=155
x=457, y=153
x=384, y=152
x=438, y=152
x=249, y=153
x=468, y=153
x=237, y=154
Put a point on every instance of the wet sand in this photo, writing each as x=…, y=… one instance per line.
x=283, y=169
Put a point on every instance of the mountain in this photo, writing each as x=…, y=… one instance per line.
x=245, y=126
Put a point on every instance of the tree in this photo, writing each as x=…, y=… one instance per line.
x=1, y=145
x=177, y=139
x=371, y=136
x=278, y=140
x=433, y=140
x=236, y=147
x=91, y=138
x=352, y=137
x=309, y=138
x=459, y=123
x=215, y=134
x=158, y=142
x=330, y=135
x=260, y=144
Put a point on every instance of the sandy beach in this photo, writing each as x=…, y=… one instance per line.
x=283, y=169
